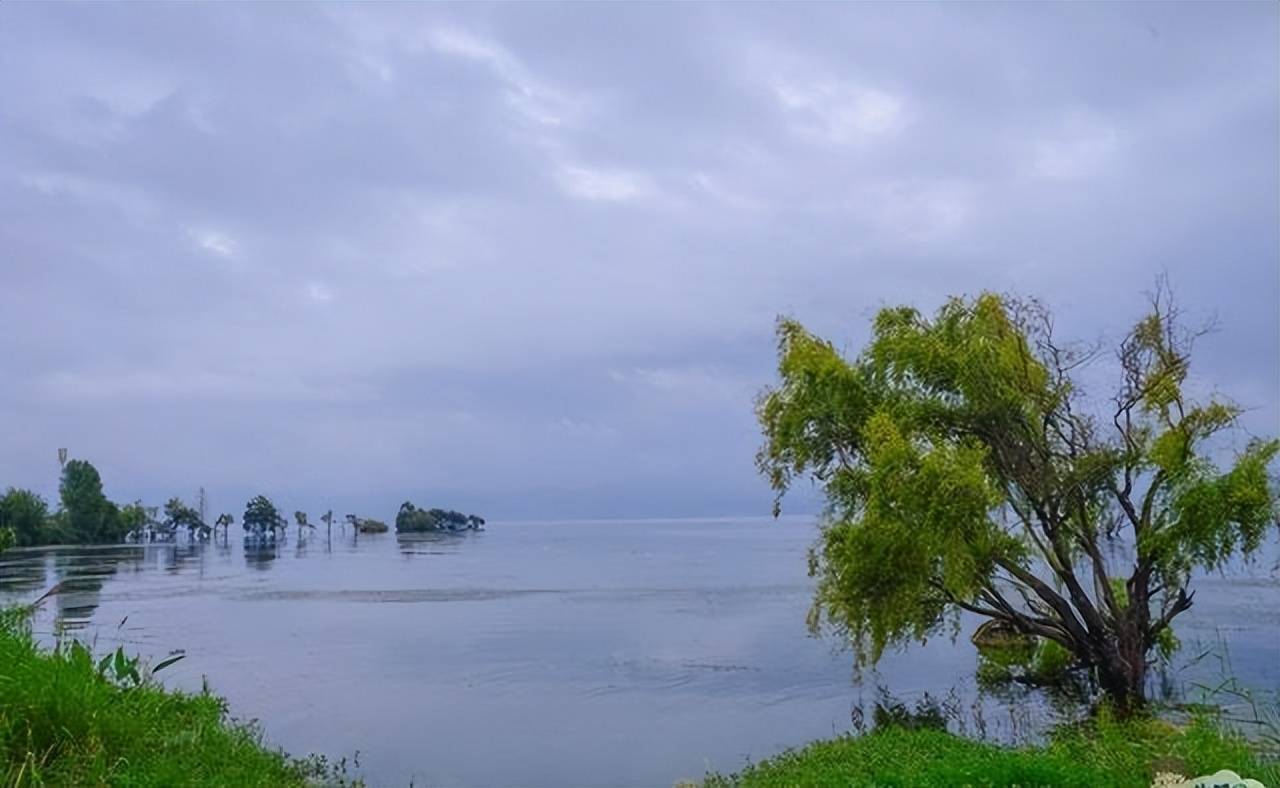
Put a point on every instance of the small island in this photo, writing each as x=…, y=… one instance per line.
x=411, y=519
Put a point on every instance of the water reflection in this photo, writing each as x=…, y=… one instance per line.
x=260, y=555
x=438, y=543
x=176, y=556
x=80, y=575
x=81, y=572
x=22, y=571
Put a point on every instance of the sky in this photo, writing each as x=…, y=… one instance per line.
x=526, y=259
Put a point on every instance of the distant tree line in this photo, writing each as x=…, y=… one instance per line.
x=86, y=516
x=410, y=518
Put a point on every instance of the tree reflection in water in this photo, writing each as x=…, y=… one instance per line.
x=259, y=554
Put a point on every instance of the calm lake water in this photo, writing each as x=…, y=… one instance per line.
x=620, y=653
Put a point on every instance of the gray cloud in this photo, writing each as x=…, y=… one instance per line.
x=528, y=258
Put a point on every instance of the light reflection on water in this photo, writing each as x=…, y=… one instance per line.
x=610, y=653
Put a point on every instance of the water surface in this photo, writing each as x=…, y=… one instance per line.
x=620, y=653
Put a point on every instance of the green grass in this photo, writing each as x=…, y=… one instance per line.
x=64, y=721
x=1100, y=753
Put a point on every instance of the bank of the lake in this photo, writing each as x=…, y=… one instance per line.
x=68, y=719
x=1101, y=752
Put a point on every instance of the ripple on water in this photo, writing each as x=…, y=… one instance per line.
x=402, y=595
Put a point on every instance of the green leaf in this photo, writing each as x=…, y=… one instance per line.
x=164, y=663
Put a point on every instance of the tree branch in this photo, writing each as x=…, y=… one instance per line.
x=1059, y=606
x=1181, y=604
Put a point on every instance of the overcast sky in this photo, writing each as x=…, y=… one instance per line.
x=526, y=260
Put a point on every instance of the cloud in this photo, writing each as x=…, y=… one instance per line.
x=100, y=195
x=604, y=185
x=319, y=292
x=529, y=96
x=692, y=382
x=1082, y=147
x=922, y=211
x=187, y=384
x=534, y=263
x=839, y=112
x=215, y=243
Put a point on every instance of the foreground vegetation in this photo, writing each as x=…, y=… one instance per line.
x=1100, y=752
x=67, y=718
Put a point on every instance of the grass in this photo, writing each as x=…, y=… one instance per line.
x=1101, y=752
x=66, y=719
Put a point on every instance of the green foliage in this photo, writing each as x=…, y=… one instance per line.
x=1141, y=747
x=1036, y=662
x=411, y=519
x=1051, y=661
x=927, y=715
x=1212, y=515
x=261, y=515
x=7, y=539
x=87, y=516
x=68, y=719
x=178, y=515
x=370, y=526
x=83, y=502
x=27, y=514
x=1101, y=753
x=134, y=517
x=962, y=469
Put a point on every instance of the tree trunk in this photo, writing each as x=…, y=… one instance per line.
x=1122, y=673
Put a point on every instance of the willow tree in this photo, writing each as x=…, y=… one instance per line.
x=965, y=469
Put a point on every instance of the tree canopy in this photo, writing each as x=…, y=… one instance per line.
x=964, y=468
x=26, y=514
x=134, y=518
x=261, y=515
x=179, y=515
x=411, y=518
x=87, y=515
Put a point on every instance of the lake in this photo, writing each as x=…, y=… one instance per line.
x=618, y=653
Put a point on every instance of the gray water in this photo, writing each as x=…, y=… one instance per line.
x=620, y=653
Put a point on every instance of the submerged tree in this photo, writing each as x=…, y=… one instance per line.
x=261, y=516
x=134, y=520
x=411, y=518
x=963, y=470
x=178, y=515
